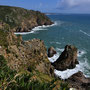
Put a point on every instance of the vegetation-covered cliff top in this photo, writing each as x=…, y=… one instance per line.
x=22, y=20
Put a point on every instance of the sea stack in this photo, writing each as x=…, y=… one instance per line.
x=67, y=59
x=51, y=52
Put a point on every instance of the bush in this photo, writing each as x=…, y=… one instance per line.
x=64, y=86
x=6, y=74
x=3, y=38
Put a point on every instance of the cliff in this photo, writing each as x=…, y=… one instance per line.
x=24, y=64
x=22, y=20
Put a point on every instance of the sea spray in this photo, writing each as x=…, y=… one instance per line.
x=69, y=72
x=38, y=28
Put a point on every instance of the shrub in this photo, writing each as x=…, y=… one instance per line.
x=64, y=86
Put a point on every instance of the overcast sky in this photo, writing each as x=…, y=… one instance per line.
x=59, y=6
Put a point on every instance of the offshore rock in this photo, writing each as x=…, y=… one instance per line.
x=51, y=52
x=67, y=59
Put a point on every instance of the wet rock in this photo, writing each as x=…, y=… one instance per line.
x=67, y=59
x=79, y=81
x=51, y=52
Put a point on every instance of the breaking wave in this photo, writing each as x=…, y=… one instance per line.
x=38, y=28
x=69, y=72
x=85, y=33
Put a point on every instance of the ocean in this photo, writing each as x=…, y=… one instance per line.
x=72, y=29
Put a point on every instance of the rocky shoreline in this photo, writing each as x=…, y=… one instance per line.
x=25, y=63
x=23, y=20
x=32, y=56
x=68, y=60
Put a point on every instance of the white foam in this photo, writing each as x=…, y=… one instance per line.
x=55, y=43
x=85, y=33
x=81, y=53
x=69, y=72
x=38, y=28
x=23, y=33
x=54, y=58
x=64, y=74
x=61, y=50
x=82, y=66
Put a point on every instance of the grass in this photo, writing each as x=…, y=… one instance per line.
x=3, y=40
x=4, y=29
x=25, y=80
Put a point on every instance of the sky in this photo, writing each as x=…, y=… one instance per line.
x=52, y=6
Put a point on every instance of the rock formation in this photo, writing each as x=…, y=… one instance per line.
x=29, y=59
x=51, y=52
x=79, y=81
x=24, y=54
x=67, y=59
x=22, y=20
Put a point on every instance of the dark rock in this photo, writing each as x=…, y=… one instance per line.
x=67, y=59
x=51, y=52
x=79, y=81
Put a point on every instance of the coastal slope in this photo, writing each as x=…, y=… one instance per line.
x=23, y=64
x=23, y=20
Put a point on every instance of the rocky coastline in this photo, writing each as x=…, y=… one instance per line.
x=25, y=64
x=23, y=20
x=68, y=60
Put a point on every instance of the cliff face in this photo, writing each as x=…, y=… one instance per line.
x=26, y=55
x=22, y=20
x=23, y=63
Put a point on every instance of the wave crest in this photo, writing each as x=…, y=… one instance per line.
x=38, y=28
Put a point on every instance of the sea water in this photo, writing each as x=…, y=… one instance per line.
x=72, y=29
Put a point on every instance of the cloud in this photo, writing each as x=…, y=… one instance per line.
x=76, y=5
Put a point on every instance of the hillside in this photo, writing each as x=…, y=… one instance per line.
x=22, y=20
x=24, y=64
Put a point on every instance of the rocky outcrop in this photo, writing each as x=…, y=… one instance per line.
x=26, y=55
x=22, y=20
x=67, y=59
x=79, y=81
x=51, y=52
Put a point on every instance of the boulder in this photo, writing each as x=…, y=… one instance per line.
x=79, y=81
x=51, y=52
x=67, y=59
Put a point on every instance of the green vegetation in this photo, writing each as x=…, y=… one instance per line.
x=4, y=30
x=24, y=80
x=6, y=74
x=64, y=86
x=27, y=79
x=3, y=36
x=14, y=16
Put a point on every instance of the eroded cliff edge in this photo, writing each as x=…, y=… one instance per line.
x=23, y=20
x=25, y=64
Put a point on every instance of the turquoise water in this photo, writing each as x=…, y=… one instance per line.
x=68, y=29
